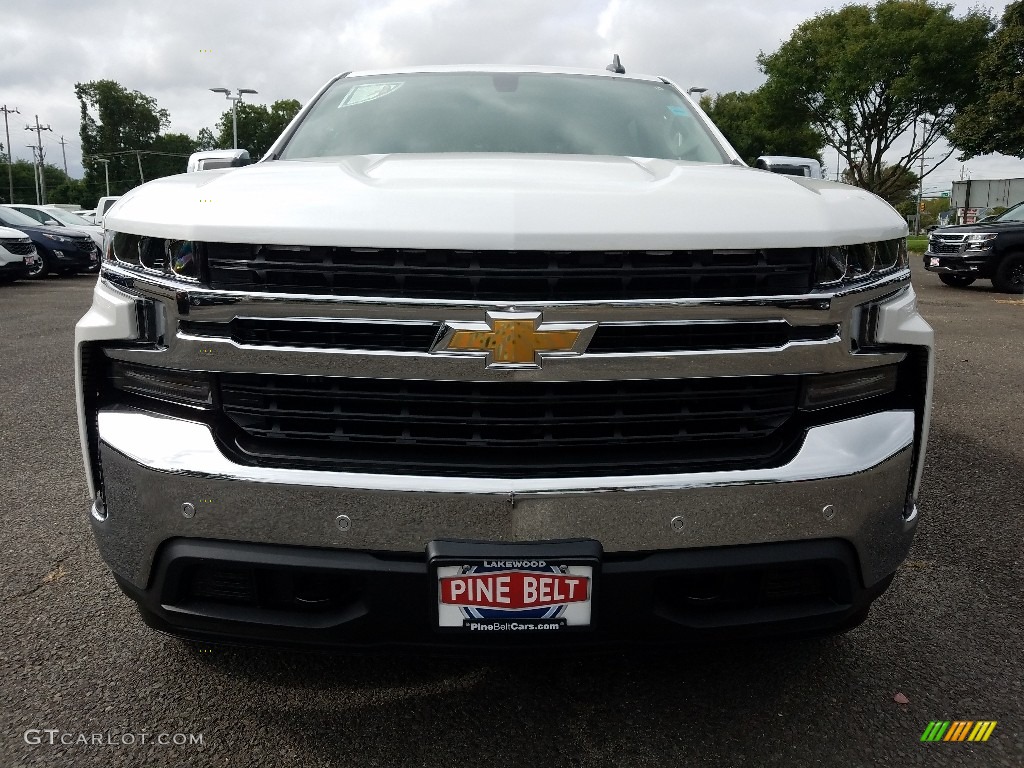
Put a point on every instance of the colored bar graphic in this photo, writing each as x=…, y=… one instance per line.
x=990, y=726
x=958, y=730
x=935, y=731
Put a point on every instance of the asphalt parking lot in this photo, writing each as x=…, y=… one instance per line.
x=75, y=659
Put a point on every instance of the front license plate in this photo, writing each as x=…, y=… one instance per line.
x=933, y=262
x=535, y=588
x=531, y=588
x=514, y=595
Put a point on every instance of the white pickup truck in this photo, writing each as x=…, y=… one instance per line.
x=486, y=357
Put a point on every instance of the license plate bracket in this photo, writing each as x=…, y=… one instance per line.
x=524, y=588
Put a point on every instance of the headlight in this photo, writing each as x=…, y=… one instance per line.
x=842, y=264
x=182, y=259
x=890, y=254
x=59, y=238
x=173, y=258
x=981, y=241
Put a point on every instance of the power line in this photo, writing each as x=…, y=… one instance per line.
x=135, y=152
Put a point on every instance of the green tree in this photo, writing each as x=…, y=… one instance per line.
x=205, y=140
x=60, y=188
x=258, y=125
x=875, y=79
x=996, y=122
x=67, y=190
x=169, y=155
x=116, y=122
x=900, y=185
x=932, y=208
x=4, y=160
x=755, y=129
x=24, y=175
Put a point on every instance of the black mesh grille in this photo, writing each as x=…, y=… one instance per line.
x=668, y=337
x=514, y=276
x=83, y=243
x=319, y=334
x=943, y=246
x=511, y=429
x=19, y=249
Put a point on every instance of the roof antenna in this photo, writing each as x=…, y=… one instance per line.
x=616, y=66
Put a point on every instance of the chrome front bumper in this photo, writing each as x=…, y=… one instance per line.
x=166, y=478
x=962, y=262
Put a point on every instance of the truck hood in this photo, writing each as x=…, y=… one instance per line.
x=45, y=231
x=505, y=202
x=964, y=229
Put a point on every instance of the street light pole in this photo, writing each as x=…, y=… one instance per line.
x=106, y=172
x=234, y=108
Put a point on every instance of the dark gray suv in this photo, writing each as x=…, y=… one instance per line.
x=992, y=250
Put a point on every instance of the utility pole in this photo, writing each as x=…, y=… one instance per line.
x=920, y=194
x=138, y=156
x=10, y=152
x=925, y=122
x=64, y=154
x=35, y=170
x=234, y=108
x=39, y=138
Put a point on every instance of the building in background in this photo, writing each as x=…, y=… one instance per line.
x=973, y=198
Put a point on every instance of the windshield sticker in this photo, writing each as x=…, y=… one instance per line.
x=679, y=111
x=361, y=94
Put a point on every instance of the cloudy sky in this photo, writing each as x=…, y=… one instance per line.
x=288, y=50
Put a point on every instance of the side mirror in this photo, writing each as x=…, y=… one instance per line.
x=218, y=158
x=807, y=167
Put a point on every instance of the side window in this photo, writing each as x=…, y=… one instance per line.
x=33, y=213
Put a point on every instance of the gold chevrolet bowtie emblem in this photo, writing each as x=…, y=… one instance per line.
x=514, y=339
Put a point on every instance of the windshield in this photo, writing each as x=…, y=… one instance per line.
x=67, y=218
x=1014, y=214
x=502, y=112
x=16, y=219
